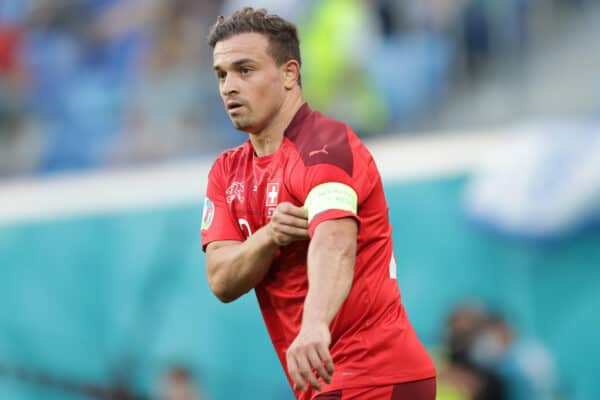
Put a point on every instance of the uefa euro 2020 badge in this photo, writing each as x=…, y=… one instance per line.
x=208, y=213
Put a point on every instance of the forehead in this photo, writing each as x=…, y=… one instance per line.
x=243, y=46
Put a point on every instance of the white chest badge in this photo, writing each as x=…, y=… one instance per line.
x=272, y=194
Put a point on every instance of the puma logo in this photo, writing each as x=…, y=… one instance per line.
x=320, y=151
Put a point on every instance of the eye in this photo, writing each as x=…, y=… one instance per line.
x=221, y=75
x=245, y=70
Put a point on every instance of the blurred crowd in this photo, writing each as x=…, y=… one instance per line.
x=485, y=358
x=100, y=83
x=176, y=382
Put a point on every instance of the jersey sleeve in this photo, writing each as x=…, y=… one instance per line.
x=217, y=221
x=330, y=190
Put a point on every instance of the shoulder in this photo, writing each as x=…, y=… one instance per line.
x=323, y=140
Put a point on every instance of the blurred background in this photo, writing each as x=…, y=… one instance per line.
x=483, y=116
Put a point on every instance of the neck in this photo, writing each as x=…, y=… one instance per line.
x=268, y=140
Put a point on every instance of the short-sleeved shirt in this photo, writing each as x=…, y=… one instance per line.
x=373, y=342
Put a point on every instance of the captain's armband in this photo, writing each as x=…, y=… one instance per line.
x=330, y=196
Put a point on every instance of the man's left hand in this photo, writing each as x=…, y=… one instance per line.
x=308, y=352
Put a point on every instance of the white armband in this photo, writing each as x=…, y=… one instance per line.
x=330, y=196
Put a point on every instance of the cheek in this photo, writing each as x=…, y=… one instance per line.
x=268, y=96
x=269, y=88
x=276, y=91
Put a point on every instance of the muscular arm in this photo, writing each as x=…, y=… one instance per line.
x=234, y=268
x=331, y=257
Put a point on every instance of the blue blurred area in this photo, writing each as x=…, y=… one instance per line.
x=85, y=298
x=93, y=84
x=121, y=300
x=120, y=297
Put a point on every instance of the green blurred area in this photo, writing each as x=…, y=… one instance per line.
x=83, y=298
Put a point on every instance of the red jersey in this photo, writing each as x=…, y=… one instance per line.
x=373, y=342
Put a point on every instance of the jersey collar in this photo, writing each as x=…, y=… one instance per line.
x=293, y=128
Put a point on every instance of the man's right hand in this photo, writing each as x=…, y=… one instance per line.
x=288, y=224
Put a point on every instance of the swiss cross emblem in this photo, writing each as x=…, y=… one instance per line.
x=272, y=194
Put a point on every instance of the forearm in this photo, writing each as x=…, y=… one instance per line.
x=235, y=269
x=331, y=259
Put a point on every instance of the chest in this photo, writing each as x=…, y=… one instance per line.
x=253, y=193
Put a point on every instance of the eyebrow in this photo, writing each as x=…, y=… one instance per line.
x=236, y=63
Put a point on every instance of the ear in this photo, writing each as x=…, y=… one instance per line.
x=291, y=74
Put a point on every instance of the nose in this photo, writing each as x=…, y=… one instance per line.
x=229, y=85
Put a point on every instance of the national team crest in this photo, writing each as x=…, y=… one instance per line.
x=272, y=194
x=208, y=213
x=235, y=191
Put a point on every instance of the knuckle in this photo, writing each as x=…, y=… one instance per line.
x=305, y=374
x=304, y=347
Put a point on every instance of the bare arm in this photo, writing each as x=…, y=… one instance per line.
x=234, y=268
x=331, y=258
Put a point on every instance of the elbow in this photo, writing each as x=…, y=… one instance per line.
x=348, y=249
x=221, y=290
x=345, y=248
x=224, y=298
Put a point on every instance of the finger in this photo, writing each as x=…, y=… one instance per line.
x=296, y=233
x=306, y=371
x=294, y=372
x=287, y=219
x=299, y=212
x=289, y=208
x=294, y=221
x=325, y=357
x=317, y=364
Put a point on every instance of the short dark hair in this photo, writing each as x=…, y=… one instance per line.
x=284, y=44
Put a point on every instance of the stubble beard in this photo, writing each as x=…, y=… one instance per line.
x=241, y=122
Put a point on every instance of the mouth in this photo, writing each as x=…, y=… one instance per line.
x=233, y=106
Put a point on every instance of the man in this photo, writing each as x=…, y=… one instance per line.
x=177, y=383
x=298, y=213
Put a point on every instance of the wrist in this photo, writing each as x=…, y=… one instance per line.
x=272, y=236
x=269, y=237
x=314, y=318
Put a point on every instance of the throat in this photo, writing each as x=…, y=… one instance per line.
x=268, y=140
x=265, y=145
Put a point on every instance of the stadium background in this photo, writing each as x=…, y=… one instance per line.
x=109, y=119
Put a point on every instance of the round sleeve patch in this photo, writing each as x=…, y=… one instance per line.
x=330, y=196
x=208, y=213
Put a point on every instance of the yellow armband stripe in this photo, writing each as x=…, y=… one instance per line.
x=330, y=196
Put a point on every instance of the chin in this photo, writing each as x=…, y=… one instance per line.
x=241, y=125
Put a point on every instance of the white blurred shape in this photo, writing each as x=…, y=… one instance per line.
x=542, y=183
